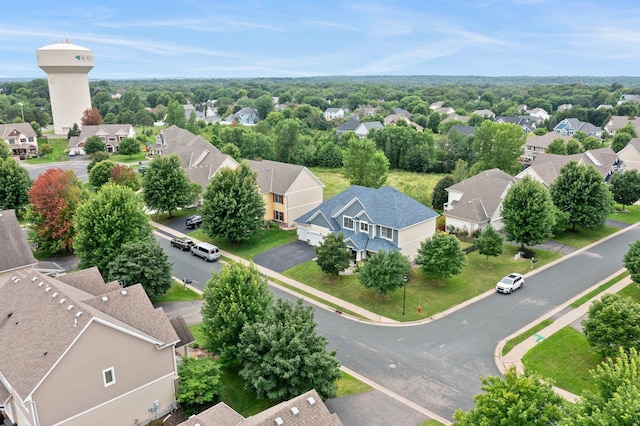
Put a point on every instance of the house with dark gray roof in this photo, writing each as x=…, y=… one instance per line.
x=68, y=356
x=21, y=137
x=569, y=126
x=364, y=128
x=303, y=410
x=15, y=252
x=465, y=130
x=476, y=202
x=546, y=167
x=528, y=125
x=110, y=134
x=371, y=220
x=348, y=126
x=289, y=190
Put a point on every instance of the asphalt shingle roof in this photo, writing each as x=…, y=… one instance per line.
x=15, y=252
x=276, y=177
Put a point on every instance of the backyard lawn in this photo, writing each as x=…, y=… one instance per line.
x=59, y=146
x=429, y=295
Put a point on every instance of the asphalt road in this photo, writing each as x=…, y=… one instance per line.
x=438, y=365
x=79, y=166
x=185, y=265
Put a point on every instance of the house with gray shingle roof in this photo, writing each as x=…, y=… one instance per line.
x=364, y=128
x=246, y=116
x=334, y=113
x=21, y=137
x=111, y=135
x=569, y=126
x=68, y=356
x=476, y=202
x=465, y=130
x=616, y=122
x=630, y=155
x=303, y=410
x=546, y=167
x=371, y=220
x=535, y=144
x=15, y=252
x=348, y=126
x=527, y=125
x=289, y=190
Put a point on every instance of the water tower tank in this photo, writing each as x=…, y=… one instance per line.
x=67, y=66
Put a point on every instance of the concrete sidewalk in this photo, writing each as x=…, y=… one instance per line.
x=303, y=288
x=514, y=357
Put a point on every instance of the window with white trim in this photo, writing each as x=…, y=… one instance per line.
x=347, y=222
x=386, y=232
x=279, y=216
x=364, y=227
x=278, y=198
x=109, y=377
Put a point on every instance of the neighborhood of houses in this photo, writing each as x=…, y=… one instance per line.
x=115, y=354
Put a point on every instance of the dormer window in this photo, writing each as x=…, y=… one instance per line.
x=347, y=222
x=364, y=227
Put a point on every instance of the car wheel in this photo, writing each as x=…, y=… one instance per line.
x=193, y=254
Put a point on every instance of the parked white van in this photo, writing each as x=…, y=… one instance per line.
x=208, y=252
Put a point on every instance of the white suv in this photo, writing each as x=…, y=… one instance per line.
x=509, y=283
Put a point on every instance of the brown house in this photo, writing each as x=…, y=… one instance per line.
x=75, y=350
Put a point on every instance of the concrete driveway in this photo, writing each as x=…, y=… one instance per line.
x=281, y=258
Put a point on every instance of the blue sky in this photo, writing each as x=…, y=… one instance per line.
x=300, y=38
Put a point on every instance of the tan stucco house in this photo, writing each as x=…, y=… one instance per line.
x=371, y=220
x=75, y=350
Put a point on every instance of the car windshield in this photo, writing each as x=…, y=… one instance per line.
x=506, y=280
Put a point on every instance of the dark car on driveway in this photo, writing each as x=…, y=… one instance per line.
x=194, y=221
x=182, y=243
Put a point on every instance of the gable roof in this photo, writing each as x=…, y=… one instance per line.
x=367, y=126
x=348, y=126
x=276, y=177
x=547, y=166
x=543, y=141
x=43, y=316
x=15, y=252
x=465, y=130
x=182, y=330
x=482, y=195
x=401, y=111
x=576, y=124
x=90, y=281
x=386, y=206
x=306, y=409
x=109, y=129
x=633, y=143
x=519, y=120
x=24, y=128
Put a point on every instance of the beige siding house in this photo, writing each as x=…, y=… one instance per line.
x=111, y=135
x=535, y=145
x=289, y=190
x=630, y=155
x=371, y=220
x=21, y=137
x=476, y=202
x=75, y=350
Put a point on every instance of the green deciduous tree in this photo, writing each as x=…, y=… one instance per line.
x=440, y=196
x=528, y=213
x=287, y=134
x=96, y=157
x=498, y=145
x=365, y=165
x=613, y=322
x=15, y=183
x=94, y=144
x=514, y=400
x=616, y=398
x=441, y=256
x=101, y=173
x=579, y=190
x=333, y=254
x=283, y=356
x=490, y=242
x=5, y=150
x=200, y=384
x=233, y=207
x=264, y=105
x=165, y=185
x=632, y=261
x=235, y=296
x=620, y=140
x=625, y=187
x=107, y=220
x=142, y=262
x=124, y=175
x=384, y=271
x=557, y=146
x=175, y=114
x=54, y=196
x=129, y=146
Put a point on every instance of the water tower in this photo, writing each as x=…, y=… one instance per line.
x=67, y=66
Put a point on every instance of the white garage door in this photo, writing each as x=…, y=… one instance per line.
x=314, y=238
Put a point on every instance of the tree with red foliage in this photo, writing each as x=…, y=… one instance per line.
x=124, y=175
x=91, y=117
x=54, y=197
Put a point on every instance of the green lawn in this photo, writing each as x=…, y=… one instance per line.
x=583, y=237
x=196, y=330
x=430, y=296
x=349, y=385
x=258, y=243
x=163, y=218
x=523, y=336
x=598, y=290
x=59, y=146
x=121, y=158
x=431, y=423
x=632, y=291
x=566, y=358
x=630, y=214
x=416, y=185
x=235, y=396
x=178, y=293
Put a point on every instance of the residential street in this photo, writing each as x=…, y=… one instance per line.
x=438, y=364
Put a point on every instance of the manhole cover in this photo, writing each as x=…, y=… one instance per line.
x=393, y=365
